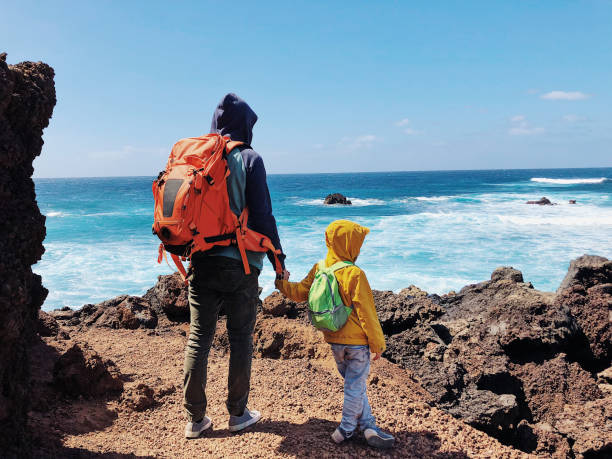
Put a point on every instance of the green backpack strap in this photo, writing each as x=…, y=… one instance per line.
x=341, y=264
x=335, y=267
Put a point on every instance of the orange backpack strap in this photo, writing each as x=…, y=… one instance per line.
x=229, y=146
x=175, y=258
x=254, y=241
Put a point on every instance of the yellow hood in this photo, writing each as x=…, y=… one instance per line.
x=344, y=239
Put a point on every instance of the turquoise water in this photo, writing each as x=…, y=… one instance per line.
x=437, y=230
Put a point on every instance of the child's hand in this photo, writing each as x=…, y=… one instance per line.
x=284, y=275
x=377, y=356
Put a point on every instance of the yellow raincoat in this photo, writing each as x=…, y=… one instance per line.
x=344, y=239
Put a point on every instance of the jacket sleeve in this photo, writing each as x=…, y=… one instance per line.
x=363, y=305
x=297, y=291
x=259, y=203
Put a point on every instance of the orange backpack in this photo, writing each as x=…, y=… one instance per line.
x=192, y=210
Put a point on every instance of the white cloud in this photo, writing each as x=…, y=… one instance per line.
x=520, y=126
x=565, y=95
x=404, y=122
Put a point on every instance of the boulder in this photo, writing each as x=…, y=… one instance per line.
x=572, y=201
x=129, y=312
x=169, y=296
x=81, y=371
x=401, y=312
x=337, y=198
x=587, y=291
x=587, y=271
x=47, y=325
x=277, y=305
x=544, y=201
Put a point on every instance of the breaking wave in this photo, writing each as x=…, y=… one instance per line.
x=575, y=181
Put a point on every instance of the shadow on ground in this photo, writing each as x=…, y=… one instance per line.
x=313, y=438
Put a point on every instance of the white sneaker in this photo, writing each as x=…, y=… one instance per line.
x=195, y=429
x=249, y=417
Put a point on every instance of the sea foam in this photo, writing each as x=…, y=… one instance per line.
x=574, y=181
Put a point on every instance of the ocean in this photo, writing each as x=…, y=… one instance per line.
x=436, y=230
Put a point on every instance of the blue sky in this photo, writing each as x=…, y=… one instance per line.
x=338, y=86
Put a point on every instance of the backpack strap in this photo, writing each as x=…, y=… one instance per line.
x=341, y=264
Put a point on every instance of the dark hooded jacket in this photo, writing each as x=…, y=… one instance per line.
x=234, y=118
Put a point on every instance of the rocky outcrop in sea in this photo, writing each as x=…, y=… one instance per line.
x=27, y=98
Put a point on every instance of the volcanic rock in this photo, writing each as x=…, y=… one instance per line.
x=169, y=296
x=589, y=426
x=277, y=305
x=572, y=201
x=337, y=198
x=544, y=201
x=81, y=371
x=509, y=359
x=138, y=398
x=27, y=98
x=47, y=325
x=120, y=312
x=587, y=291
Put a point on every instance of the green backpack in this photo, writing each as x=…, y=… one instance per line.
x=325, y=307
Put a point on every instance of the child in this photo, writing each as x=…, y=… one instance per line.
x=360, y=335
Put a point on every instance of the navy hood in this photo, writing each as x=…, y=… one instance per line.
x=235, y=118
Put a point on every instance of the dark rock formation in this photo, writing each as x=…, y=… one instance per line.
x=47, y=324
x=81, y=371
x=277, y=305
x=120, y=312
x=572, y=201
x=513, y=361
x=27, y=98
x=544, y=201
x=587, y=291
x=337, y=198
x=169, y=297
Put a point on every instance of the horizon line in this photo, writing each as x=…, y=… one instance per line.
x=357, y=172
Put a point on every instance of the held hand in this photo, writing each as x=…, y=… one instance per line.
x=285, y=275
x=377, y=356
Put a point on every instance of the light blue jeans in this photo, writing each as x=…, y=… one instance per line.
x=353, y=363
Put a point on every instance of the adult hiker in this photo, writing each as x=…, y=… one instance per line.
x=218, y=278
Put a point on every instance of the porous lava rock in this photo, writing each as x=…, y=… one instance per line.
x=47, y=324
x=277, y=305
x=169, y=296
x=337, y=198
x=124, y=311
x=81, y=371
x=587, y=291
x=138, y=398
x=510, y=360
x=27, y=98
x=543, y=201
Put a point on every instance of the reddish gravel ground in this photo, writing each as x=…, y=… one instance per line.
x=300, y=399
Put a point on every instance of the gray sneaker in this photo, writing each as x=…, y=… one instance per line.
x=378, y=438
x=195, y=429
x=249, y=417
